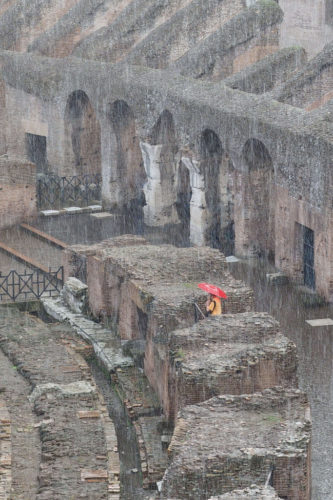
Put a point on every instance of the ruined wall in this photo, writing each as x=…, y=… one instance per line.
x=299, y=167
x=18, y=191
x=184, y=30
x=245, y=39
x=311, y=86
x=289, y=252
x=307, y=23
x=206, y=460
x=270, y=71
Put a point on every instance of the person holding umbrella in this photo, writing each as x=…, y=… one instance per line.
x=213, y=304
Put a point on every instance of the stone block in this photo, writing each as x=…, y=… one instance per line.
x=231, y=354
x=75, y=295
x=232, y=442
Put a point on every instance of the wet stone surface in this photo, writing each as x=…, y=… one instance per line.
x=254, y=492
x=232, y=354
x=65, y=410
x=260, y=431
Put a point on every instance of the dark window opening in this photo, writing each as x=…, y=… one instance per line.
x=36, y=151
x=329, y=12
x=308, y=258
x=142, y=323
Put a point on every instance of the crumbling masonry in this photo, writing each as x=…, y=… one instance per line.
x=209, y=121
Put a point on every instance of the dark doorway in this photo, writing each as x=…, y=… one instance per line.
x=82, y=136
x=36, y=151
x=184, y=194
x=308, y=258
x=211, y=158
x=259, y=200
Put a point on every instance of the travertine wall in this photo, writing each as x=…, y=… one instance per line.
x=306, y=23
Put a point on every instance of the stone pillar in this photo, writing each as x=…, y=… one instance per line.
x=198, y=209
x=152, y=188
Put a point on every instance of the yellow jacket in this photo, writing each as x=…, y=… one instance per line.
x=215, y=307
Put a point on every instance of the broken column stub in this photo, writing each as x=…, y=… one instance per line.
x=233, y=354
x=75, y=295
x=233, y=442
x=197, y=203
x=160, y=208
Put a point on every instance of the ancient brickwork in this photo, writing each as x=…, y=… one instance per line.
x=5, y=452
x=18, y=191
x=255, y=442
x=235, y=354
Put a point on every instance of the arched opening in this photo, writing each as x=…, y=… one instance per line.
x=160, y=162
x=126, y=158
x=259, y=202
x=184, y=194
x=211, y=153
x=82, y=136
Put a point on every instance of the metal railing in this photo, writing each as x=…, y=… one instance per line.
x=29, y=285
x=54, y=191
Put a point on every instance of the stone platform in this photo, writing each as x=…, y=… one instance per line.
x=231, y=442
x=231, y=354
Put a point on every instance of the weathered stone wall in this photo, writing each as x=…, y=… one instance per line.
x=245, y=39
x=18, y=191
x=27, y=20
x=307, y=23
x=311, y=86
x=235, y=354
x=254, y=441
x=299, y=144
x=290, y=214
x=272, y=70
x=188, y=27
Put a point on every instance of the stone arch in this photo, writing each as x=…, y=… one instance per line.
x=128, y=176
x=259, y=199
x=184, y=196
x=82, y=136
x=160, y=161
x=216, y=171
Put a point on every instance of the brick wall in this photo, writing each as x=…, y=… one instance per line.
x=18, y=192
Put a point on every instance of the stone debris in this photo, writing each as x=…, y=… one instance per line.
x=106, y=347
x=74, y=294
x=5, y=452
x=94, y=475
x=254, y=492
x=89, y=414
x=68, y=390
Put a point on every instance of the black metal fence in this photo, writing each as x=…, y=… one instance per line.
x=29, y=285
x=55, y=192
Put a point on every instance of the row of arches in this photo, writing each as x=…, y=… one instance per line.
x=158, y=184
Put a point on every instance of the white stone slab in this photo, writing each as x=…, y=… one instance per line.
x=231, y=258
x=95, y=208
x=73, y=210
x=102, y=215
x=49, y=213
x=320, y=322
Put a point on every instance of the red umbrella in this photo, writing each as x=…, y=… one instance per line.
x=214, y=290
